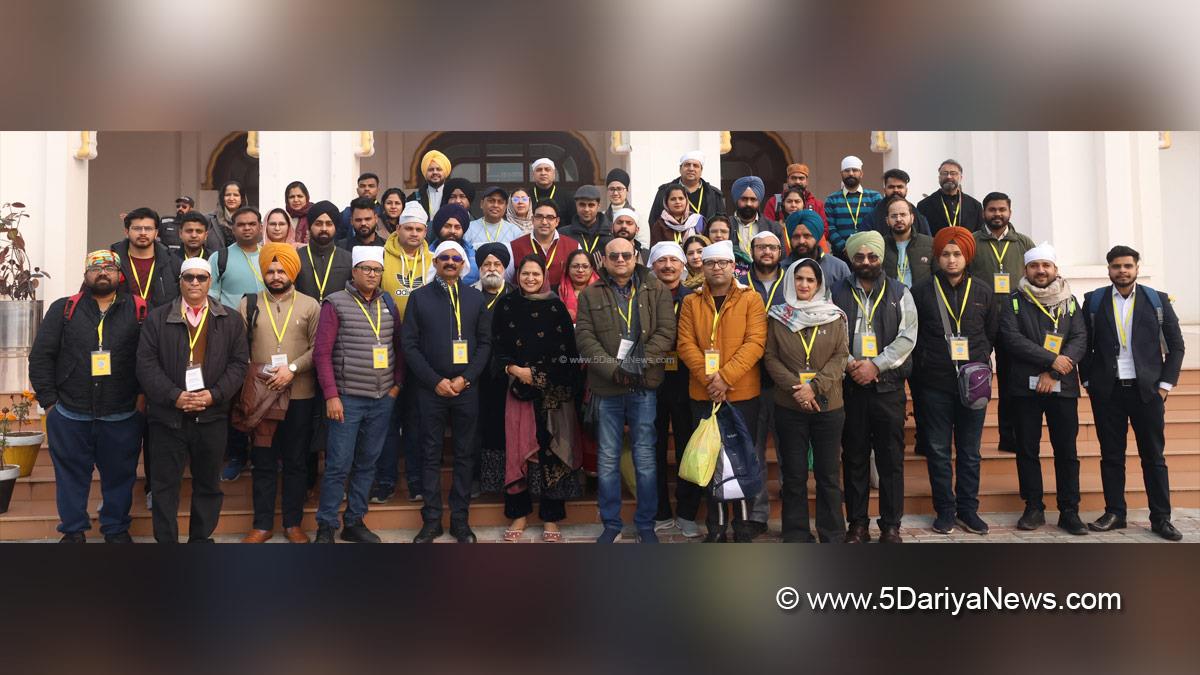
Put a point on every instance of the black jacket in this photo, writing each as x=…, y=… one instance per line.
x=164, y=287
x=1099, y=366
x=348, y=243
x=163, y=354
x=971, y=216
x=339, y=273
x=60, y=363
x=714, y=201
x=932, y=366
x=591, y=239
x=1023, y=329
x=429, y=332
x=876, y=220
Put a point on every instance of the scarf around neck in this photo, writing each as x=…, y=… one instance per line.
x=692, y=224
x=799, y=314
x=1052, y=297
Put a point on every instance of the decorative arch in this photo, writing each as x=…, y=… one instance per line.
x=755, y=153
x=503, y=157
x=230, y=160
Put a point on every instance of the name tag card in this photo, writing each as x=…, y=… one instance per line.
x=712, y=361
x=959, y=349
x=870, y=346
x=1000, y=283
x=672, y=362
x=1053, y=342
x=193, y=379
x=1033, y=383
x=806, y=376
x=101, y=363
x=623, y=348
x=379, y=357
x=460, y=352
x=279, y=360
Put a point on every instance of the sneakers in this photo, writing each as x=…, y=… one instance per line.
x=233, y=470
x=359, y=534
x=944, y=523
x=660, y=525
x=381, y=493
x=118, y=538
x=647, y=537
x=73, y=538
x=611, y=535
x=1032, y=519
x=324, y=534
x=971, y=522
x=688, y=528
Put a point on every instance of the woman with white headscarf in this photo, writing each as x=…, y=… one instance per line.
x=806, y=356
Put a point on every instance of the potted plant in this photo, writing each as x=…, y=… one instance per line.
x=8, y=472
x=20, y=310
x=21, y=447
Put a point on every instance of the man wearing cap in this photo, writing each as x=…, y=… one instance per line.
x=147, y=267
x=447, y=344
x=1000, y=261
x=703, y=197
x=747, y=193
x=846, y=208
x=589, y=226
x=673, y=415
x=908, y=255
x=361, y=369
x=882, y=325
x=324, y=266
x=1045, y=336
x=958, y=323
x=544, y=174
x=168, y=229
x=546, y=241
x=364, y=223
x=626, y=314
x=451, y=223
x=805, y=230
x=367, y=188
x=625, y=226
x=435, y=169
x=895, y=183
x=281, y=345
x=722, y=337
x=491, y=226
x=81, y=369
x=797, y=177
x=191, y=360
x=950, y=206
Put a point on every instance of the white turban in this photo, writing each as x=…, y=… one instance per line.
x=198, y=263
x=413, y=213
x=454, y=247
x=722, y=250
x=663, y=249
x=697, y=155
x=362, y=254
x=763, y=235
x=1043, y=252
x=624, y=212
x=544, y=161
x=851, y=162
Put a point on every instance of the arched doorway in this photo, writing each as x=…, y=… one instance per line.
x=754, y=153
x=229, y=161
x=503, y=157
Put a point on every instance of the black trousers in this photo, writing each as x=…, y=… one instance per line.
x=520, y=505
x=674, y=418
x=1004, y=403
x=199, y=446
x=797, y=430
x=718, y=515
x=873, y=420
x=1062, y=417
x=289, y=448
x=1113, y=416
x=462, y=414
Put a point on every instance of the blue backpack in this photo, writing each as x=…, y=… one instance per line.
x=1155, y=301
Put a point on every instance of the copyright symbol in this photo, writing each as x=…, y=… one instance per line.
x=787, y=598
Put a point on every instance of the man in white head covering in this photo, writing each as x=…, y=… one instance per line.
x=845, y=208
x=703, y=197
x=1045, y=336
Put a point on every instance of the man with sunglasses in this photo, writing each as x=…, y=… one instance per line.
x=192, y=357
x=81, y=368
x=546, y=241
x=447, y=344
x=625, y=329
x=361, y=370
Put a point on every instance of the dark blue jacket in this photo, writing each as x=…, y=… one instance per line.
x=429, y=332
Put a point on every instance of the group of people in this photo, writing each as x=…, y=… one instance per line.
x=543, y=334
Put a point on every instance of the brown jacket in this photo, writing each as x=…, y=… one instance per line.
x=785, y=359
x=741, y=338
x=598, y=330
x=297, y=340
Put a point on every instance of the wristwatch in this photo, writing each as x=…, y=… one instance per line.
x=292, y=367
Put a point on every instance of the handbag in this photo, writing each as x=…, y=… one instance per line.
x=974, y=377
x=700, y=456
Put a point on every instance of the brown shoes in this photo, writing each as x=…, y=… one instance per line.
x=890, y=535
x=257, y=536
x=296, y=535
x=857, y=534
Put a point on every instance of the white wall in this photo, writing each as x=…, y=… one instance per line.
x=1179, y=169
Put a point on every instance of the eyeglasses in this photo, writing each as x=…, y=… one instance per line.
x=544, y=218
x=766, y=247
x=103, y=268
x=618, y=189
x=369, y=271
x=614, y=256
x=519, y=199
x=446, y=257
x=139, y=229
x=580, y=267
x=717, y=264
x=194, y=278
x=859, y=257
x=949, y=174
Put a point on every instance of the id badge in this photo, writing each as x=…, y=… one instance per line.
x=671, y=364
x=806, y=376
x=278, y=360
x=460, y=352
x=870, y=347
x=712, y=361
x=101, y=362
x=193, y=379
x=959, y=349
x=1000, y=283
x=379, y=357
x=623, y=348
x=1053, y=342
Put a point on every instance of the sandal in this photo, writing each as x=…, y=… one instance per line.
x=551, y=537
x=513, y=535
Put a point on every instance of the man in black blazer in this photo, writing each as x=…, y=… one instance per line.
x=1128, y=377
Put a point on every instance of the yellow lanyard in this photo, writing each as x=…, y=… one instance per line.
x=998, y=253
x=321, y=281
x=149, y=277
x=202, y=255
x=961, y=310
x=712, y=338
x=253, y=269
x=491, y=237
x=587, y=248
x=100, y=332
x=902, y=264
x=957, y=209
x=378, y=324
x=628, y=316
x=771, y=295
x=857, y=207
x=536, y=198
x=695, y=207
x=1121, y=319
x=193, y=338
x=808, y=345
x=678, y=237
x=745, y=245
x=499, y=293
x=553, y=252
x=456, y=305
x=870, y=315
x=279, y=334
x=1039, y=306
x=409, y=268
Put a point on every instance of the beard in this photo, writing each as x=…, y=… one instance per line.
x=802, y=251
x=624, y=234
x=868, y=272
x=747, y=212
x=102, y=286
x=997, y=223
x=949, y=185
x=322, y=239
x=850, y=182
x=765, y=269
x=901, y=228
x=491, y=281
x=280, y=287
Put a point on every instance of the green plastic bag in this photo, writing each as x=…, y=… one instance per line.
x=700, y=456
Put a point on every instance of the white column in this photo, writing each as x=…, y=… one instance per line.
x=40, y=170
x=654, y=160
x=326, y=161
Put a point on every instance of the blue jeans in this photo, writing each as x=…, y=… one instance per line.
x=403, y=434
x=78, y=447
x=353, y=443
x=945, y=418
x=638, y=409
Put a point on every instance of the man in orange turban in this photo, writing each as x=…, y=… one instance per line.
x=960, y=236
x=284, y=253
